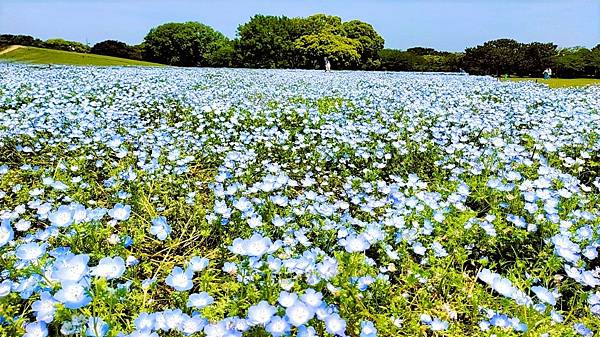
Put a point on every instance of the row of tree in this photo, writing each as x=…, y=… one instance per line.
x=108, y=47
x=282, y=42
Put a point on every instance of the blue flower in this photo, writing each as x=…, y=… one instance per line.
x=44, y=308
x=37, y=329
x=109, y=268
x=73, y=295
x=120, y=212
x=335, y=325
x=62, y=217
x=200, y=300
x=70, y=267
x=30, y=251
x=261, y=313
x=96, y=327
x=545, y=295
x=198, y=263
x=179, y=279
x=299, y=313
x=160, y=228
x=278, y=327
x=367, y=329
x=6, y=232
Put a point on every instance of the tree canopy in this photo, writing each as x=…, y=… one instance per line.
x=182, y=44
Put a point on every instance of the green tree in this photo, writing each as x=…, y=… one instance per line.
x=267, y=42
x=113, y=48
x=494, y=57
x=398, y=60
x=535, y=58
x=61, y=44
x=370, y=42
x=341, y=51
x=573, y=62
x=182, y=44
x=321, y=23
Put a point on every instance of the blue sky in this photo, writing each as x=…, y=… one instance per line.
x=444, y=25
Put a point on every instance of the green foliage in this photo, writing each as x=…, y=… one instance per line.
x=66, y=45
x=341, y=51
x=182, y=44
x=22, y=40
x=115, y=48
x=577, y=62
x=267, y=42
x=281, y=42
x=493, y=57
x=370, y=42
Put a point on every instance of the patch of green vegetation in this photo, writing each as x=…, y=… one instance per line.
x=560, y=82
x=50, y=56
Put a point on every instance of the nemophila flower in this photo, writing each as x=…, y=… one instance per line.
x=70, y=267
x=582, y=330
x=198, y=263
x=312, y=298
x=62, y=217
x=261, y=313
x=160, y=228
x=44, y=308
x=5, y=287
x=120, y=212
x=594, y=301
x=143, y=333
x=6, y=232
x=355, y=243
x=335, y=325
x=304, y=331
x=109, y=268
x=179, y=279
x=277, y=327
x=287, y=299
x=191, y=325
x=256, y=245
x=299, y=313
x=144, y=321
x=200, y=300
x=36, y=329
x=73, y=295
x=96, y=327
x=545, y=295
x=30, y=251
x=367, y=329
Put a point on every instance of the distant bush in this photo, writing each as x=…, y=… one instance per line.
x=117, y=49
x=23, y=40
x=61, y=44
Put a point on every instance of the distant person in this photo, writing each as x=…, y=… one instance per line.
x=549, y=73
x=546, y=76
x=327, y=65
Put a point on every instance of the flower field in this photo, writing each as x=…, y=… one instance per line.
x=218, y=202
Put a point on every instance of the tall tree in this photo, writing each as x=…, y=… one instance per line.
x=267, y=42
x=340, y=50
x=536, y=57
x=113, y=48
x=494, y=57
x=370, y=42
x=182, y=44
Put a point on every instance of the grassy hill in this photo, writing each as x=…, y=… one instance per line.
x=560, y=82
x=51, y=56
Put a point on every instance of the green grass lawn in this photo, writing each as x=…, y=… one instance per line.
x=50, y=56
x=560, y=82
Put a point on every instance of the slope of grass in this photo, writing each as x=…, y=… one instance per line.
x=560, y=82
x=50, y=56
